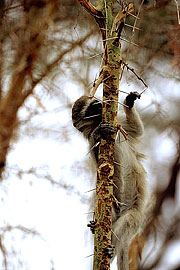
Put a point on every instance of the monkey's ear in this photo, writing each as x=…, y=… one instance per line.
x=129, y=101
x=77, y=108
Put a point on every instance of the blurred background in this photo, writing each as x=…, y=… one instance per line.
x=51, y=54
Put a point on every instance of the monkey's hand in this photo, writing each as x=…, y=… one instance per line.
x=129, y=101
x=92, y=225
x=109, y=251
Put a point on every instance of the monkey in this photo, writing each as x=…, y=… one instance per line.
x=129, y=177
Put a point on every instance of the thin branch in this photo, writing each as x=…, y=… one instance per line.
x=108, y=39
x=124, y=133
x=130, y=42
x=133, y=32
x=89, y=7
x=134, y=15
x=122, y=14
x=131, y=26
x=143, y=91
x=110, y=100
x=59, y=58
x=89, y=256
x=95, y=55
x=4, y=252
x=115, y=235
x=139, y=10
x=106, y=18
x=123, y=92
x=135, y=22
x=13, y=7
x=90, y=190
x=177, y=7
x=89, y=213
x=133, y=71
x=96, y=85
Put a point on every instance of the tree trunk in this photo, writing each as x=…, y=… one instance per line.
x=110, y=28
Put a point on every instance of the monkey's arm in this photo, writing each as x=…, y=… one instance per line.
x=133, y=124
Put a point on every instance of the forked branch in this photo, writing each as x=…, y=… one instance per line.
x=90, y=8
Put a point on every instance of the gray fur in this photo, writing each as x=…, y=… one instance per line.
x=129, y=175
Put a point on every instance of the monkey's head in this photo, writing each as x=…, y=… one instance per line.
x=86, y=114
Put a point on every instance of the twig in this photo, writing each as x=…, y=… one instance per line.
x=124, y=133
x=92, y=116
x=143, y=91
x=96, y=85
x=13, y=7
x=123, y=92
x=89, y=7
x=131, y=26
x=122, y=14
x=133, y=71
x=109, y=100
x=108, y=39
x=90, y=190
x=107, y=85
x=89, y=256
x=106, y=17
x=117, y=163
x=88, y=213
x=91, y=149
x=115, y=235
x=129, y=42
x=137, y=18
x=177, y=7
x=95, y=55
x=133, y=31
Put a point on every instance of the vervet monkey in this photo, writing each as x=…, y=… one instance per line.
x=129, y=175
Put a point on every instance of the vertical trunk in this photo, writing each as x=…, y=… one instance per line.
x=110, y=28
x=104, y=184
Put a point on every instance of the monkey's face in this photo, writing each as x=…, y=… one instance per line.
x=86, y=112
x=94, y=110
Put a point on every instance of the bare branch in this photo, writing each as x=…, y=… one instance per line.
x=177, y=7
x=132, y=69
x=96, y=85
x=89, y=7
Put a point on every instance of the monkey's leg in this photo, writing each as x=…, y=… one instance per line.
x=124, y=230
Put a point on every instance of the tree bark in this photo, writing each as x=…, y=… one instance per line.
x=110, y=28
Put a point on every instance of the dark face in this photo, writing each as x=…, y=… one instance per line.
x=81, y=110
x=94, y=111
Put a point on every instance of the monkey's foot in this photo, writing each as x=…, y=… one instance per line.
x=131, y=98
x=92, y=225
x=106, y=129
x=102, y=131
x=109, y=251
